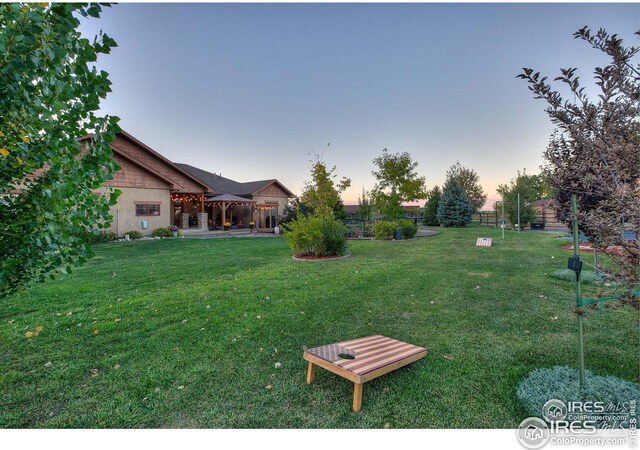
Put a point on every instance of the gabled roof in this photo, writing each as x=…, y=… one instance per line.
x=155, y=154
x=217, y=182
x=256, y=186
x=225, y=185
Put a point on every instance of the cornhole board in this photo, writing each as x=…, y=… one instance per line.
x=484, y=242
x=361, y=360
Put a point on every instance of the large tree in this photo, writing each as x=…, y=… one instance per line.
x=49, y=93
x=396, y=183
x=469, y=181
x=530, y=188
x=594, y=151
x=454, y=209
x=430, y=216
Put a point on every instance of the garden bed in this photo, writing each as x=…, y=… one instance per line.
x=320, y=258
x=587, y=247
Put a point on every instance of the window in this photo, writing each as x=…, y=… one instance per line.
x=147, y=209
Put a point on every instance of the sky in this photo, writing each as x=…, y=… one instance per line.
x=251, y=90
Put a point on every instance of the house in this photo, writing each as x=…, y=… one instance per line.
x=156, y=192
x=261, y=202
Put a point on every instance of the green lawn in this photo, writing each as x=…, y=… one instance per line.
x=188, y=332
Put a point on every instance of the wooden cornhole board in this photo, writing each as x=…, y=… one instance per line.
x=372, y=356
x=484, y=242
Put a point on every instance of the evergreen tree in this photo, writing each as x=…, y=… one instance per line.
x=430, y=216
x=365, y=209
x=469, y=181
x=454, y=210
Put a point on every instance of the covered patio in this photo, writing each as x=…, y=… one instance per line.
x=240, y=212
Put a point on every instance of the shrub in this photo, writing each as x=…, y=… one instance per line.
x=316, y=236
x=133, y=234
x=164, y=232
x=408, y=228
x=101, y=237
x=384, y=229
x=562, y=383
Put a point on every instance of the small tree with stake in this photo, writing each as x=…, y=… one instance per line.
x=594, y=152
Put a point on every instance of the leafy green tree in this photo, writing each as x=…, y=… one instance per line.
x=292, y=210
x=430, y=216
x=322, y=194
x=469, y=181
x=530, y=188
x=365, y=209
x=49, y=92
x=454, y=209
x=319, y=232
x=339, y=212
x=396, y=182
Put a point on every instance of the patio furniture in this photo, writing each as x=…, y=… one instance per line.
x=361, y=360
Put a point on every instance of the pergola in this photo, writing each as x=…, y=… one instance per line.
x=226, y=200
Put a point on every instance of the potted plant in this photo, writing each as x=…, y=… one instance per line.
x=174, y=231
x=227, y=225
x=251, y=225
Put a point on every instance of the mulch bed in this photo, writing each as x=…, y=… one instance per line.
x=587, y=247
x=319, y=258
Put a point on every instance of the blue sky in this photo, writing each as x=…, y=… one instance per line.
x=249, y=90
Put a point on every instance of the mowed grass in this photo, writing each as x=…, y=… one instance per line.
x=189, y=331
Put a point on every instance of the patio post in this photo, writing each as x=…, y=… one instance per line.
x=224, y=213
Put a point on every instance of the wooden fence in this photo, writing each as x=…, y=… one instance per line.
x=493, y=218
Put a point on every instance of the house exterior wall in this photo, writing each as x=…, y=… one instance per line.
x=124, y=211
x=272, y=194
x=132, y=176
x=156, y=165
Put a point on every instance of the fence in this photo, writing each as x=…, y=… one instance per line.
x=542, y=215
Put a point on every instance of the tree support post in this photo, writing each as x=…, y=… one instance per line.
x=574, y=213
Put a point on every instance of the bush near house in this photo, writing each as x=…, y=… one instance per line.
x=133, y=234
x=164, y=232
x=101, y=237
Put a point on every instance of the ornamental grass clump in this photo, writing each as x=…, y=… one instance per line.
x=562, y=383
